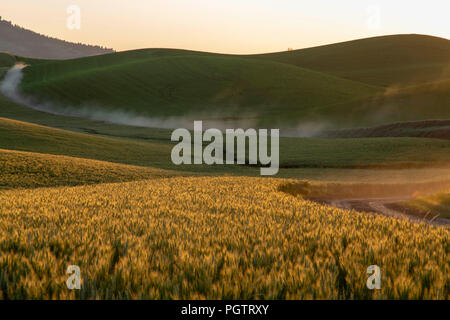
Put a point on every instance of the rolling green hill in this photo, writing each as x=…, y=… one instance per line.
x=427, y=101
x=167, y=83
x=395, y=60
x=23, y=136
x=154, y=153
x=358, y=83
x=11, y=110
x=315, y=159
x=295, y=153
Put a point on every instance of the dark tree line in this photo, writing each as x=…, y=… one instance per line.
x=23, y=42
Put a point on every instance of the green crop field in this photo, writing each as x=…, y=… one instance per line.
x=282, y=89
x=6, y=60
x=161, y=85
x=395, y=60
x=294, y=152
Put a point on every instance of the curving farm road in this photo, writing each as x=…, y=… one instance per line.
x=379, y=206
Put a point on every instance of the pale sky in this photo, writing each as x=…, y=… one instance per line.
x=228, y=26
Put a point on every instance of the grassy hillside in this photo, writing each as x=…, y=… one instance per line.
x=32, y=61
x=11, y=110
x=390, y=79
x=209, y=238
x=338, y=153
x=22, y=136
x=6, y=60
x=364, y=152
x=304, y=154
x=414, y=69
x=428, y=129
x=430, y=100
x=427, y=101
x=395, y=60
x=294, y=152
x=31, y=170
x=153, y=149
x=174, y=84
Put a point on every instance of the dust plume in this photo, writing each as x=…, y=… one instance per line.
x=10, y=88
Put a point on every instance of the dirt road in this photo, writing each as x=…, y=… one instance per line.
x=380, y=206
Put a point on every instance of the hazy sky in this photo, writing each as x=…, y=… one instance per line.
x=230, y=26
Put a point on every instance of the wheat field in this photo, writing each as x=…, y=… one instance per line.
x=209, y=238
x=20, y=169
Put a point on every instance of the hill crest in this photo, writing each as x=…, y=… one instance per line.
x=23, y=42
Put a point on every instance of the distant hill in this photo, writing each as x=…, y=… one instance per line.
x=177, y=83
x=394, y=60
x=22, y=42
x=362, y=83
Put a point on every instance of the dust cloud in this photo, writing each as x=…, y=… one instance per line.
x=10, y=88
